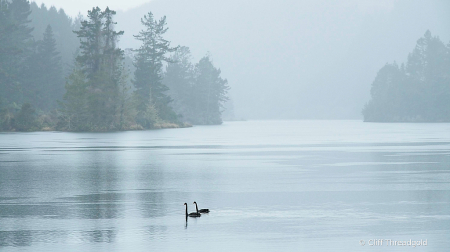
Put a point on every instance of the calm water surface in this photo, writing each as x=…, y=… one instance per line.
x=270, y=185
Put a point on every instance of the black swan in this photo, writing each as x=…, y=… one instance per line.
x=191, y=214
x=201, y=210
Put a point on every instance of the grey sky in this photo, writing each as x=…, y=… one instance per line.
x=73, y=7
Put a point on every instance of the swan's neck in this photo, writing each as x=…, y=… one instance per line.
x=196, y=207
x=186, y=211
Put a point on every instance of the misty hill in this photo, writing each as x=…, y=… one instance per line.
x=295, y=59
x=418, y=91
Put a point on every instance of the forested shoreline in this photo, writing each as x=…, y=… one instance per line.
x=417, y=91
x=59, y=73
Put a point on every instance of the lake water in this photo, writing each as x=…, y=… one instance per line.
x=270, y=186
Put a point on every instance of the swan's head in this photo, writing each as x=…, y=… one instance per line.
x=185, y=204
x=194, y=203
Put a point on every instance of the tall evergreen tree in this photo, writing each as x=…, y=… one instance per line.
x=151, y=96
x=45, y=82
x=387, y=101
x=7, y=50
x=20, y=12
x=199, y=91
x=211, y=92
x=418, y=92
x=63, y=26
x=179, y=78
x=90, y=35
x=15, y=44
x=427, y=72
x=101, y=63
x=75, y=110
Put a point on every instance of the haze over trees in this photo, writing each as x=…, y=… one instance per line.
x=291, y=59
x=418, y=91
x=67, y=42
x=40, y=64
x=200, y=93
x=151, y=98
x=57, y=73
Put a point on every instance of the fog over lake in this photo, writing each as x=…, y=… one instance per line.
x=293, y=125
x=270, y=186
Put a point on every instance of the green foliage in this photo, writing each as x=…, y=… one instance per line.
x=7, y=50
x=26, y=119
x=74, y=110
x=179, y=78
x=29, y=71
x=63, y=26
x=199, y=92
x=43, y=82
x=419, y=92
x=15, y=41
x=211, y=92
x=147, y=117
x=20, y=12
x=36, y=56
x=94, y=99
x=150, y=92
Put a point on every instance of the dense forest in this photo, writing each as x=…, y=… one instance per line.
x=418, y=91
x=60, y=73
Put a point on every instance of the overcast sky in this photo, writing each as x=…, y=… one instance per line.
x=73, y=7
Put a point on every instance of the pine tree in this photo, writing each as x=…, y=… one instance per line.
x=210, y=91
x=15, y=44
x=101, y=63
x=90, y=35
x=7, y=51
x=427, y=73
x=63, y=26
x=54, y=87
x=44, y=83
x=75, y=111
x=26, y=118
x=151, y=96
x=179, y=78
x=418, y=92
x=386, y=103
x=20, y=12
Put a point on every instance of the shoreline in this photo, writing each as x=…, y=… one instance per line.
x=158, y=127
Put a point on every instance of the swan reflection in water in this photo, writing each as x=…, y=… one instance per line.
x=193, y=214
